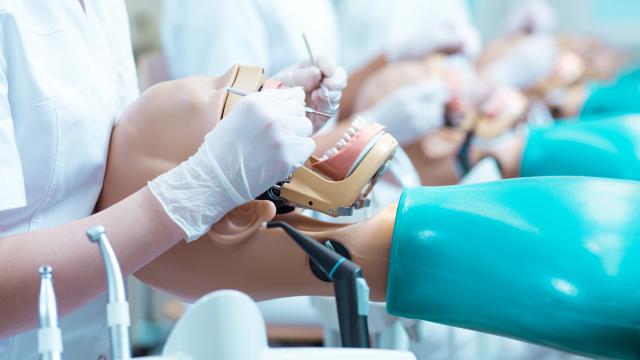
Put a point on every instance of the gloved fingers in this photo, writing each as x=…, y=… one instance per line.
x=321, y=98
x=307, y=78
x=301, y=148
x=327, y=65
x=295, y=125
x=337, y=81
x=291, y=108
x=294, y=93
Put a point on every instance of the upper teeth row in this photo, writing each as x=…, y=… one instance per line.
x=356, y=125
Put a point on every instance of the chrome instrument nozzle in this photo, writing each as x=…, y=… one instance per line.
x=118, y=318
x=49, y=334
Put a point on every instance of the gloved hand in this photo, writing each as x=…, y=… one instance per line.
x=411, y=111
x=450, y=35
x=528, y=62
x=259, y=143
x=322, y=84
x=531, y=17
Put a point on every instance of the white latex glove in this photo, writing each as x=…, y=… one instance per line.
x=531, y=17
x=259, y=143
x=526, y=64
x=322, y=84
x=411, y=111
x=449, y=35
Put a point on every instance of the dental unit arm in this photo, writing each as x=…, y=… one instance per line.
x=351, y=289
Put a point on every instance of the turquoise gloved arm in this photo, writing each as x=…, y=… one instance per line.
x=553, y=261
x=622, y=96
x=606, y=148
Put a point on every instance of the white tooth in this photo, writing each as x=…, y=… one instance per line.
x=324, y=157
x=341, y=143
x=346, y=137
x=351, y=131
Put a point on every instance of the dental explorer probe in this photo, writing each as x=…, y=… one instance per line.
x=237, y=91
x=49, y=335
x=118, y=319
x=313, y=60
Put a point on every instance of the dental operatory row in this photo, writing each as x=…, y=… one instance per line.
x=417, y=188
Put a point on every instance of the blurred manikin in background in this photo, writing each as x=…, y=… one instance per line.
x=416, y=254
x=366, y=36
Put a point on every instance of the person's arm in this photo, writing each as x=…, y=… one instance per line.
x=142, y=226
x=137, y=227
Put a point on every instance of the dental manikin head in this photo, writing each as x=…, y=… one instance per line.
x=167, y=124
x=489, y=113
x=562, y=68
x=163, y=128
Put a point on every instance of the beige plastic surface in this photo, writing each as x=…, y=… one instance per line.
x=249, y=79
x=313, y=191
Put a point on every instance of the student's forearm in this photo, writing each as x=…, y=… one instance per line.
x=137, y=227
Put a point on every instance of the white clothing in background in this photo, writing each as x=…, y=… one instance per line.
x=368, y=27
x=207, y=37
x=66, y=74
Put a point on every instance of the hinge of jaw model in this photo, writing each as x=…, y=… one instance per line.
x=341, y=179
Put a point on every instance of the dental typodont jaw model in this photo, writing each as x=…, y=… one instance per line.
x=489, y=257
x=334, y=184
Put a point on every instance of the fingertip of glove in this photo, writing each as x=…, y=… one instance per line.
x=326, y=64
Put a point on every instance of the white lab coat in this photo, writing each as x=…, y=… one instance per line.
x=65, y=77
x=368, y=27
x=209, y=36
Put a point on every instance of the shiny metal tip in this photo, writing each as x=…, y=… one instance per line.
x=45, y=271
x=94, y=233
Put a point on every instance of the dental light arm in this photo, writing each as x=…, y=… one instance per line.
x=351, y=289
x=117, y=307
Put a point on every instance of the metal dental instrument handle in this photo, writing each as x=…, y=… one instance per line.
x=118, y=319
x=351, y=289
x=239, y=92
x=313, y=60
x=49, y=334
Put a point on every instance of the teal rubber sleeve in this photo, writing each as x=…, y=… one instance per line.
x=553, y=261
x=621, y=96
x=604, y=148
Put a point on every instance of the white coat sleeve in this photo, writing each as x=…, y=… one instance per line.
x=207, y=37
x=12, y=191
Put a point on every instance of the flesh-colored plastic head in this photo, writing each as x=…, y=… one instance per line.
x=163, y=128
